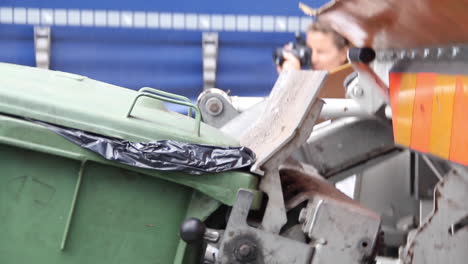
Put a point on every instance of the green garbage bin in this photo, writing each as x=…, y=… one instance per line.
x=60, y=203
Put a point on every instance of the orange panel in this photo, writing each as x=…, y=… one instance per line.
x=459, y=141
x=442, y=115
x=395, y=81
x=404, y=118
x=422, y=113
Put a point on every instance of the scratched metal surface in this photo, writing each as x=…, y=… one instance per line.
x=289, y=104
x=399, y=23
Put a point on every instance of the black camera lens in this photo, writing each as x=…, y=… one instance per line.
x=299, y=49
x=302, y=53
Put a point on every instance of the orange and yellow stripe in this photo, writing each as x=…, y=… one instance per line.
x=429, y=113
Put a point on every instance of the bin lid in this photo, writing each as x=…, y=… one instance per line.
x=79, y=102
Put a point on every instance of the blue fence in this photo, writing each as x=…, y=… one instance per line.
x=155, y=43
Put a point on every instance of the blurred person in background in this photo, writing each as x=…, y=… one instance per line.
x=328, y=49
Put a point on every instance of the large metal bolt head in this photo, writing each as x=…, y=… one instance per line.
x=358, y=91
x=246, y=252
x=214, y=106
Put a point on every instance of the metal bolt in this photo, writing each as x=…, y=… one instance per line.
x=321, y=241
x=214, y=106
x=358, y=91
x=244, y=250
x=211, y=254
x=386, y=55
x=211, y=235
x=440, y=52
x=455, y=51
x=426, y=53
x=402, y=54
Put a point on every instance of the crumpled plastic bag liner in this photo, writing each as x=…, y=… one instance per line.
x=165, y=155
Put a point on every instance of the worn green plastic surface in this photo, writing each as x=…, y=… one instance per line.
x=120, y=216
x=60, y=203
x=82, y=103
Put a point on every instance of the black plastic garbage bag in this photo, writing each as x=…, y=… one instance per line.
x=166, y=155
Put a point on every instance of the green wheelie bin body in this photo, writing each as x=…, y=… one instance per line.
x=61, y=203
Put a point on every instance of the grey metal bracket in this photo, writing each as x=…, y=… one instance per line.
x=443, y=235
x=287, y=120
x=216, y=107
x=368, y=90
x=42, y=37
x=245, y=244
x=345, y=143
x=340, y=232
x=210, y=59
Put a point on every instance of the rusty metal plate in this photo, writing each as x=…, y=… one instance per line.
x=301, y=182
x=334, y=86
x=397, y=23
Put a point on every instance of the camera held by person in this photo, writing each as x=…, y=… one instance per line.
x=326, y=50
x=299, y=49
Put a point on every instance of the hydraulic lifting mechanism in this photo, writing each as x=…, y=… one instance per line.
x=399, y=129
